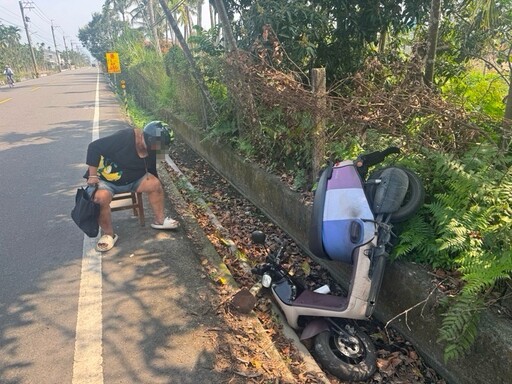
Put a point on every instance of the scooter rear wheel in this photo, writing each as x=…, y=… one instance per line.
x=353, y=360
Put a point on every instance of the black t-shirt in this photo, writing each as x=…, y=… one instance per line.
x=117, y=159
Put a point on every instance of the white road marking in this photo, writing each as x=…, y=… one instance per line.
x=88, y=359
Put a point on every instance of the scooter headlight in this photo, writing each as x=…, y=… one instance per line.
x=266, y=280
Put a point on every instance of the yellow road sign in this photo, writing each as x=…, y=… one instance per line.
x=113, y=65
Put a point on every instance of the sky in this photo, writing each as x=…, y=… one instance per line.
x=67, y=17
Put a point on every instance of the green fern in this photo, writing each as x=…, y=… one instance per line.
x=460, y=323
x=465, y=225
x=459, y=326
x=418, y=236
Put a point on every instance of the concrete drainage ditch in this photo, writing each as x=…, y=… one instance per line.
x=408, y=296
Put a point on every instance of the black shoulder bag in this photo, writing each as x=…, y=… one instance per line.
x=86, y=212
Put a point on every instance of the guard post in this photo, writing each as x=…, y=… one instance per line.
x=123, y=87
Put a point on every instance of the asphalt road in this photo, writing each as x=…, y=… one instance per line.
x=67, y=315
x=45, y=126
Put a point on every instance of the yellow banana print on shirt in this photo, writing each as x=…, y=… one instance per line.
x=108, y=170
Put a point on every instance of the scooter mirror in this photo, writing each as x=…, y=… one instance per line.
x=258, y=237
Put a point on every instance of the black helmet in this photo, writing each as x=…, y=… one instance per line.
x=157, y=131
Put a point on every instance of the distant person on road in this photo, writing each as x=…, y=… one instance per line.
x=126, y=162
x=9, y=73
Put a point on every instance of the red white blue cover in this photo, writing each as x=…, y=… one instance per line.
x=347, y=217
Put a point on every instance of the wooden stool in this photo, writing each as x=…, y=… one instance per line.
x=135, y=203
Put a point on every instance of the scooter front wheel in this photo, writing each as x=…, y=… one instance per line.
x=349, y=358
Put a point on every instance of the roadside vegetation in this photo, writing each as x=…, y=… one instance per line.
x=431, y=77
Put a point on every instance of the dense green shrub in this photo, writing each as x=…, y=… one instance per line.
x=479, y=92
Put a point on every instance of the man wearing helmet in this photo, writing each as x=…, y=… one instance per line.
x=126, y=162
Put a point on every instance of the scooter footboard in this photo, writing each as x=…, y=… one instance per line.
x=357, y=305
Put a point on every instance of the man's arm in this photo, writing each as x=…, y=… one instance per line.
x=92, y=175
x=151, y=163
x=93, y=158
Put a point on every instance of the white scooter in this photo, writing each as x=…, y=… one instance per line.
x=351, y=223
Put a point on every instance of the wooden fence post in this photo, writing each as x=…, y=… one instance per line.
x=318, y=86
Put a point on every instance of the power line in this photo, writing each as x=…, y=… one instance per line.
x=33, y=9
x=11, y=23
x=42, y=38
x=42, y=15
x=9, y=11
x=35, y=29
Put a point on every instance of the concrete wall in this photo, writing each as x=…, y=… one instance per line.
x=405, y=285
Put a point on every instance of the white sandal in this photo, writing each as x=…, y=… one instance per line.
x=167, y=224
x=106, y=243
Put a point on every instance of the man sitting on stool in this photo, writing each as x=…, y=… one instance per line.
x=126, y=162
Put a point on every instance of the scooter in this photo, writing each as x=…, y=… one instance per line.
x=351, y=222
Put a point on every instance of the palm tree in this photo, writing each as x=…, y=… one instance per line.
x=146, y=15
x=9, y=36
x=120, y=7
x=10, y=45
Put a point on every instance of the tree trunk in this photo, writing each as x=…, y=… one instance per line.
x=319, y=89
x=433, y=30
x=226, y=26
x=506, y=138
x=189, y=20
x=212, y=15
x=200, y=13
x=151, y=12
x=195, y=71
x=382, y=39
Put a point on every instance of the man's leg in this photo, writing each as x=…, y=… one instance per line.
x=104, y=198
x=153, y=187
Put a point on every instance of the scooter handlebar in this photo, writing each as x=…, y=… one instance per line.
x=377, y=157
x=261, y=269
x=366, y=161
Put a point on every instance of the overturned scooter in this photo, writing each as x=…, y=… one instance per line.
x=351, y=223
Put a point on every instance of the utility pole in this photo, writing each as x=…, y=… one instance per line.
x=56, y=50
x=74, y=49
x=76, y=54
x=25, y=23
x=67, y=53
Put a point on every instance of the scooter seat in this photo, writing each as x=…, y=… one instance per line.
x=316, y=300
